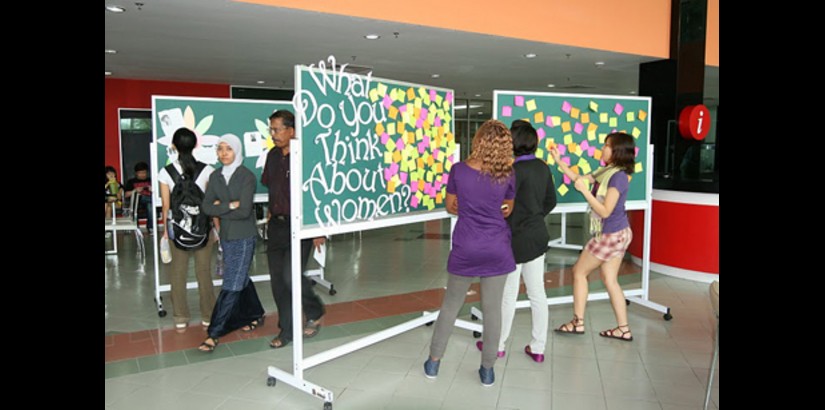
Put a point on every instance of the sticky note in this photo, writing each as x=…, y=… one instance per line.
x=393, y=113
x=388, y=157
x=420, y=162
x=578, y=128
x=562, y=149
x=618, y=109
x=602, y=137
x=584, y=165
x=585, y=145
x=438, y=99
x=593, y=106
x=410, y=93
x=518, y=101
x=597, y=154
x=539, y=153
x=391, y=129
x=387, y=101
x=638, y=167
x=565, y=126
x=538, y=117
x=382, y=89
x=642, y=115
x=394, y=168
x=432, y=95
x=439, y=168
x=568, y=139
x=391, y=186
x=399, y=144
x=414, y=201
x=540, y=132
x=549, y=121
x=591, y=151
x=591, y=135
x=565, y=106
x=379, y=128
x=574, y=112
x=506, y=111
x=446, y=178
x=631, y=116
x=396, y=156
x=531, y=105
x=637, y=152
x=449, y=96
x=585, y=118
x=614, y=122
x=403, y=177
x=636, y=132
x=384, y=138
x=390, y=144
x=574, y=168
x=387, y=174
x=373, y=95
x=566, y=179
x=566, y=160
x=438, y=198
x=563, y=190
x=603, y=118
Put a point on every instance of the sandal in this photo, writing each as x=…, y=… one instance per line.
x=611, y=333
x=206, y=347
x=311, y=329
x=278, y=342
x=572, y=326
x=252, y=326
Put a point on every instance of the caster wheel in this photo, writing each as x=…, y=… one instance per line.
x=314, y=282
x=429, y=323
x=668, y=316
x=327, y=406
x=473, y=317
x=627, y=302
x=332, y=291
x=162, y=313
x=476, y=334
x=270, y=381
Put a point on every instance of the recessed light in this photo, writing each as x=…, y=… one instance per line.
x=599, y=63
x=435, y=75
x=480, y=113
x=633, y=92
x=478, y=95
x=110, y=51
x=551, y=85
x=372, y=37
x=108, y=73
x=115, y=9
x=530, y=55
x=261, y=81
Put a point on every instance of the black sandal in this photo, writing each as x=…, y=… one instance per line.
x=312, y=327
x=278, y=342
x=254, y=325
x=206, y=347
x=611, y=333
x=573, y=328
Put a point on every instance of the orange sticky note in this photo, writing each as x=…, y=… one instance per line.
x=585, y=118
x=421, y=163
x=396, y=156
x=538, y=117
x=574, y=112
x=629, y=178
x=391, y=186
x=430, y=160
x=399, y=127
x=571, y=147
x=565, y=126
x=438, y=198
x=410, y=93
x=410, y=137
x=597, y=155
x=393, y=112
x=575, y=168
x=417, y=112
x=642, y=115
x=426, y=125
x=440, y=132
x=439, y=168
x=379, y=128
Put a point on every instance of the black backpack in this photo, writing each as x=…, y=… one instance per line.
x=189, y=226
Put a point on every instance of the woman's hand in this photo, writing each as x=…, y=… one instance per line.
x=582, y=185
x=554, y=152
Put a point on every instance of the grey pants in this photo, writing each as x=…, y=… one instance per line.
x=492, y=288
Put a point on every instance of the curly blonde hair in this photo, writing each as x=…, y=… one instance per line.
x=493, y=146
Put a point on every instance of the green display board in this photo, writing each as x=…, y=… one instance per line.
x=578, y=124
x=372, y=148
x=211, y=118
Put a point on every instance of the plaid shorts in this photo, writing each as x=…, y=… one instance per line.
x=610, y=245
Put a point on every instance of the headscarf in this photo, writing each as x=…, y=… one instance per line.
x=235, y=143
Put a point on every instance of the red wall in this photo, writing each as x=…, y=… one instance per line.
x=122, y=93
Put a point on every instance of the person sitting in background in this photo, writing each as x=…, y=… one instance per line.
x=140, y=188
x=114, y=191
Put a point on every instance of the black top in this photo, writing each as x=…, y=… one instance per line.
x=238, y=223
x=137, y=183
x=535, y=198
x=276, y=179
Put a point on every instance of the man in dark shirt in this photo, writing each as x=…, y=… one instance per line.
x=141, y=185
x=276, y=178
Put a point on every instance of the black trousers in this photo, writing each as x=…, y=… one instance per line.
x=279, y=254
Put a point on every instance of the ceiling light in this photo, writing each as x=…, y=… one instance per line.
x=115, y=9
x=260, y=81
x=435, y=75
x=633, y=92
x=551, y=85
x=372, y=37
x=480, y=113
x=464, y=107
x=599, y=63
x=478, y=95
x=110, y=51
x=108, y=73
x=530, y=55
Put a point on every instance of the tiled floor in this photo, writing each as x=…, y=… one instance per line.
x=385, y=277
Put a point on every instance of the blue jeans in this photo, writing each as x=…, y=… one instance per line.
x=146, y=202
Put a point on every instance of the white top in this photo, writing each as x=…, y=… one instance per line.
x=203, y=178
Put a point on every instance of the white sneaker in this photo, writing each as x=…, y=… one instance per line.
x=181, y=325
x=204, y=323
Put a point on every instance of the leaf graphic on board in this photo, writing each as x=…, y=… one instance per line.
x=189, y=118
x=262, y=159
x=263, y=128
x=204, y=124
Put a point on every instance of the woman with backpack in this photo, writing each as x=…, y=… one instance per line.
x=229, y=196
x=185, y=167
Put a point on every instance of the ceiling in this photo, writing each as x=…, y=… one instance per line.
x=221, y=41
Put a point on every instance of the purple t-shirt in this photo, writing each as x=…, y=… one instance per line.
x=618, y=218
x=481, y=240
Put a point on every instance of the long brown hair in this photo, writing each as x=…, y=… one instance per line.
x=493, y=146
x=624, y=151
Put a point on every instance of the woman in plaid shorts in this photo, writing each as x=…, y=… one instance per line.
x=611, y=231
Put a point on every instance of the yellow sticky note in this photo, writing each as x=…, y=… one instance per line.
x=568, y=139
x=429, y=176
x=574, y=112
x=401, y=96
x=410, y=93
x=446, y=105
x=597, y=155
x=417, y=104
x=642, y=115
x=538, y=117
x=591, y=135
x=531, y=105
x=602, y=137
x=438, y=99
x=563, y=190
x=636, y=132
x=410, y=165
x=614, y=122
x=638, y=167
x=393, y=112
x=390, y=145
x=593, y=106
x=382, y=89
x=631, y=116
x=539, y=153
x=391, y=186
x=423, y=94
x=585, y=118
x=549, y=143
x=603, y=118
x=584, y=165
x=419, y=135
x=556, y=120
x=391, y=128
x=379, y=129
x=388, y=158
x=565, y=126
x=373, y=95
x=396, y=156
x=578, y=150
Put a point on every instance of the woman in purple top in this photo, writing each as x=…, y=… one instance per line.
x=480, y=191
x=611, y=231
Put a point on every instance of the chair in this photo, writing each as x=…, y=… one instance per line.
x=128, y=222
x=714, y=301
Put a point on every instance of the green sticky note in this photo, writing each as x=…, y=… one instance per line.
x=638, y=167
x=531, y=105
x=373, y=95
x=568, y=139
x=602, y=137
x=593, y=106
x=631, y=116
x=563, y=190
x=390, y=145
x=584, y=165
x=429, y=176
x=614, y=122
x=438, y=99
x=636, y=132
x=603, y=118
x=388, y=157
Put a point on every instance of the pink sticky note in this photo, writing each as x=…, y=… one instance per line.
x=449, y=96
x=402, y=108
x=387, y=174
x=591, y=151
x=421, y=147
x=549, y=121
x=403, y=177
x=414, y=186
x=565, y=106
x=519, y=102
x=618, y=109
x=413, y=201
x=506, y=111
x=393, y=168
x=445, y=178
x=566, y=180
x=387, y=101
x=399, y=144
x=437, y=121
x=585, y=146
x=614, y=130
x=437, y=185
x=637, y=152
x=427, y=186
x=578, y=128
x=602, y=163
x=426, y=139
x=566, y=160
x=424, y=113
x=384, y=137
x=419, y=123
x=541, y=133
x=432, y=95
x=562, y=149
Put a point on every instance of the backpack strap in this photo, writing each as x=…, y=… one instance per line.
x=173, y=173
